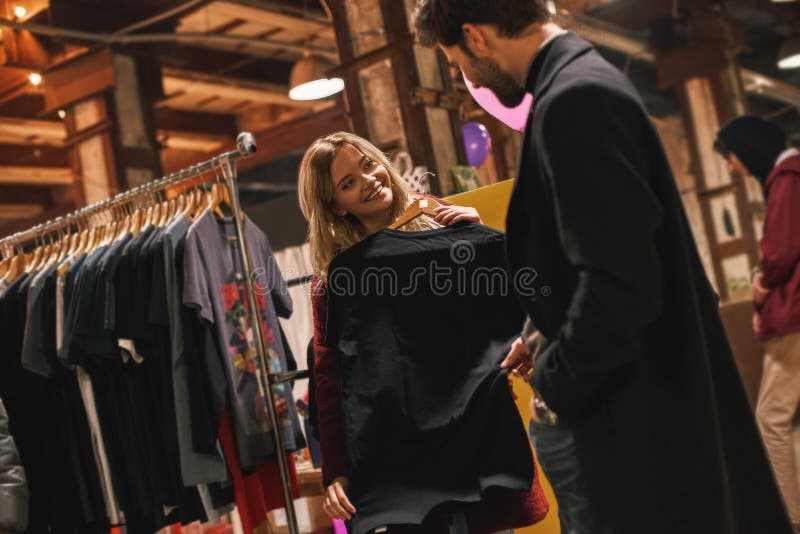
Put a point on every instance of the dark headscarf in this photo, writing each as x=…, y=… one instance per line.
x=756, y=142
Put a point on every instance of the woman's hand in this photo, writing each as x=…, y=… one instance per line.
x=449, y=215
x=757, y=323
x=337, y=505
x=760, y=292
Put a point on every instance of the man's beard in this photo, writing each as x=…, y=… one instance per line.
x=488, y=74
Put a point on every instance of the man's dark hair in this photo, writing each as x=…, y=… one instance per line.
x=440, y=21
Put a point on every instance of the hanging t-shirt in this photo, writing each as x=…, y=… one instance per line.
x=422, y=321
x=214, y=284
x=39, y=344
x=90, y=407
x=196, y=468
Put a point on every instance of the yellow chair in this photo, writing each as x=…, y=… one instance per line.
x=492, y=202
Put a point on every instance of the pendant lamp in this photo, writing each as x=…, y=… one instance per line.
x=789, y=53
x=309, y=81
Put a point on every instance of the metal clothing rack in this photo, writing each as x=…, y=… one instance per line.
x=226, y=162
x=300, y=280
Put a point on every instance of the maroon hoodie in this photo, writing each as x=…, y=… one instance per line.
x=780, y=251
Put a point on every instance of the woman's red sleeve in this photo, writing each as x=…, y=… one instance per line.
x=328, y=378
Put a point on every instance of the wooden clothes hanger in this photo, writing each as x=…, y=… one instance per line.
x=53, y=253
x=220, y=197
x=180, y=205
x=172, y=208
x=17, y=266
x=36, y=259
x=65, y=246
x=421, y=206
x=4, y=264
x=165, y=213
x=74, y=240
x=202, y=202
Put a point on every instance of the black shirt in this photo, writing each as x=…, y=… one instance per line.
x=422, y=321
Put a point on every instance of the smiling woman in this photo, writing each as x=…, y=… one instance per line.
x=361, y=188
x=349, y=190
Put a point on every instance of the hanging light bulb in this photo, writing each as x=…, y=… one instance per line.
x=20, y=11
x=789, y=53
x=309, y=81
x=35, y=78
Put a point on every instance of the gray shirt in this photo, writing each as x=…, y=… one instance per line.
x=196, y=468
x=214, y=284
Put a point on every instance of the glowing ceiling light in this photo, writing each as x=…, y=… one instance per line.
x=20, y=11
x=789, y=54
x=35, y=78
x=61, y=113
x=308, y=79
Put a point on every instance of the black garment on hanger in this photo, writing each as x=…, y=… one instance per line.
x=422, y=321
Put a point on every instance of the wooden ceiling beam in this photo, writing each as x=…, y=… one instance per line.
x=40, y=132
x=13, y=84
x=238, y=65
x=634, y=14
x=195, y=121
x=25, y=194
x=19, y=225
x=308, y=11
x=10, y=212
x=191, y=141
x=13, y=154
x=113, y=16
x=611, y=36
x=30, y=175
x=297, y=134
x=223, y=10
x=183, y=82
x=25, y=105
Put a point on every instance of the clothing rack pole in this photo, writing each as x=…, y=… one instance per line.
x=300, y=280
x=268, y=379
x=245, y=146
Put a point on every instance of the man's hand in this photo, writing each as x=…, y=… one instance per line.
x=449, y=215
x=759, y=291
x=519, y=359
x=757, y=323
x=337, y=505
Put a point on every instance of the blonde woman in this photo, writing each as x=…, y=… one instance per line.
x=348, y=191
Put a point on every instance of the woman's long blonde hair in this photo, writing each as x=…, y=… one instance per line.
x=330, y=234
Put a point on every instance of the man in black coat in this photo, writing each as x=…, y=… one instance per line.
x=638, y=364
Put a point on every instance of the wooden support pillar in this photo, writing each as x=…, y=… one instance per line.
x=354, y=101
x=419, y=140
x=111, y=139
x=709, y=92
x=380, y=76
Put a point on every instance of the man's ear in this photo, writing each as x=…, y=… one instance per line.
x=475, y=40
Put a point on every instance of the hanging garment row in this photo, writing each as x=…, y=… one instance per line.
x=129, y=371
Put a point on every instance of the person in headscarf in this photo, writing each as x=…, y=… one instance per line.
x=753, y=146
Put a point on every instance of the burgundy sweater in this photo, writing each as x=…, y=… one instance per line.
x=780, y=252
x=500, y=509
